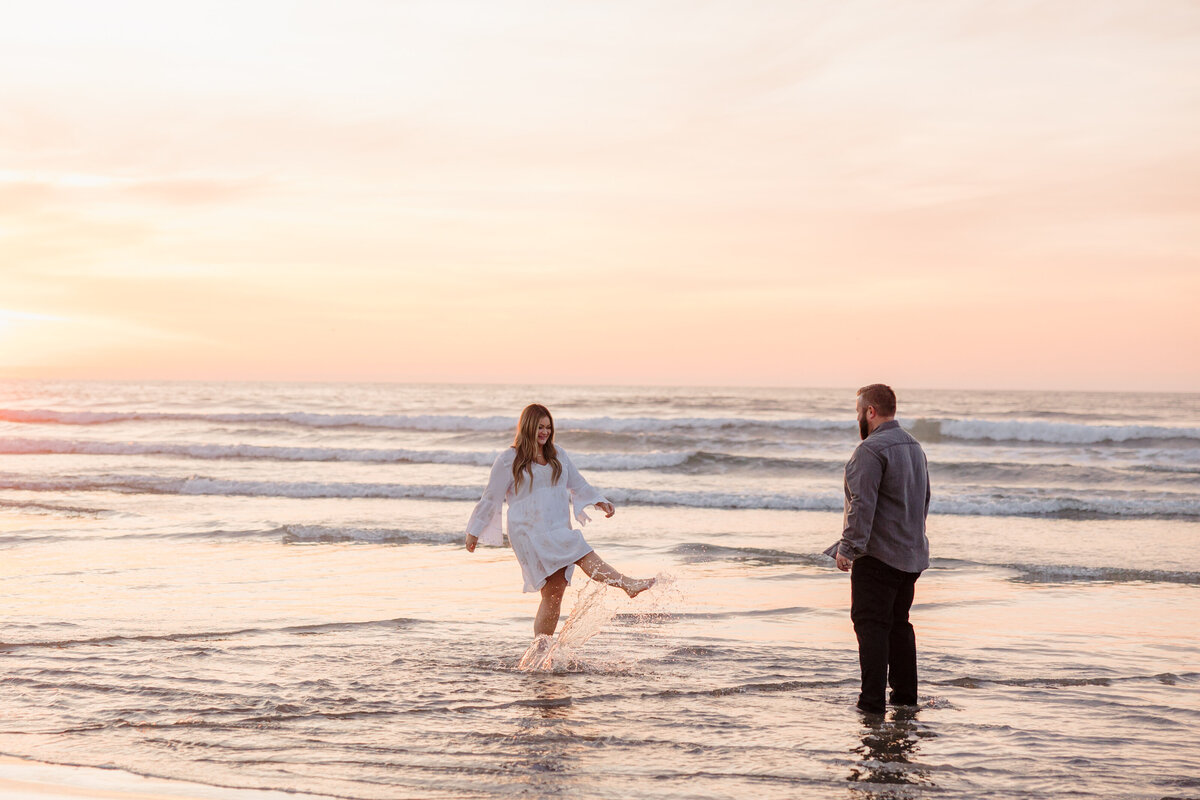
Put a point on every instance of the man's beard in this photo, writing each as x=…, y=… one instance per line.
x=863, y=430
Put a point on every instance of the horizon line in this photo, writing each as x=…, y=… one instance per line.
x=604, y=385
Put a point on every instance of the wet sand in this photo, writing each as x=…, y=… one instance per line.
x=22, y=779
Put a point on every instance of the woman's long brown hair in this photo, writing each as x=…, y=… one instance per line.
x=526, y=445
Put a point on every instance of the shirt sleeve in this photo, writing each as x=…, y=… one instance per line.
x=864, y=472
x=583, y=494
x=928, y=494
x=485, y=521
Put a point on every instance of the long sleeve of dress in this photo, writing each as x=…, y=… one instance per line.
x=485, y=521
x=583, y=494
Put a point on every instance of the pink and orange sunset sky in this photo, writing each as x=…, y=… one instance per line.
x=936, y=194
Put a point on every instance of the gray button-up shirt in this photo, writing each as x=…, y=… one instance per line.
x=887, y=500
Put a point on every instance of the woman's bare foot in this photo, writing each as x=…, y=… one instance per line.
x=635, y=587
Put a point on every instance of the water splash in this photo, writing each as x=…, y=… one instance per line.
x=587, y=618
x=539, y=656
x=590, y=615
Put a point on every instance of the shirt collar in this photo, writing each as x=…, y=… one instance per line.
x=883, y=426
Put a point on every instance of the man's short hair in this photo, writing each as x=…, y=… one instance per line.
x=881, y=397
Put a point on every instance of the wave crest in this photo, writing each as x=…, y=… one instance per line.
x=314, y=534
x=1033, y=431
x=1000, y=502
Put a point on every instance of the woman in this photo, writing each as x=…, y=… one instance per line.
x=538, y=480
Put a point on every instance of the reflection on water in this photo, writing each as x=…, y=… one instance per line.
x=549, y=696
x=548, y=739
x=888, y=755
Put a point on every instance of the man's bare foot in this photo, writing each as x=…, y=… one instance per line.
x=635, y=587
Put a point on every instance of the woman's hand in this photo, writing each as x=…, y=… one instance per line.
x=471, y=540
x=607, y=508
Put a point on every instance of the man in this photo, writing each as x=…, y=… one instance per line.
x=884, y=547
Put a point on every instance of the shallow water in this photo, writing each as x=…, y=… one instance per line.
x=180, y=604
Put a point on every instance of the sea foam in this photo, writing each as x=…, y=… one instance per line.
x=966, y=430
x=1009, y=501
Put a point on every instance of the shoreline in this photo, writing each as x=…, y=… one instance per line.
x=29, y=779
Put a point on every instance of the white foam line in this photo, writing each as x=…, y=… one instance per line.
x=1055, y=432
x=961, y=429
x=421, y=422
x=607, y=461
x=992, y=504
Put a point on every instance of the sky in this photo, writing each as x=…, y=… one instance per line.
x=827, y=193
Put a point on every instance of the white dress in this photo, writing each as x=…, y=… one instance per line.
x=539, y=520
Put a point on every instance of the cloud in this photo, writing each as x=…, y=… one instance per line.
x=317, y=180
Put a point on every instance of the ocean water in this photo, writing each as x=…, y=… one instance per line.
x=263, y=586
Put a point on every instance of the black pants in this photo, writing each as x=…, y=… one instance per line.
x=880, y=597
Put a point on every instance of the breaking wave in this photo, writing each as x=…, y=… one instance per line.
x=603, y=461
x=998, y=502
x=1045, y=432
x=416, y=422
x=926, y=429
x=699, y=552
x=313, y=534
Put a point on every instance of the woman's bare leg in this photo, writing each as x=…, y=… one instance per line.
x=598, y=570
x=552, y=594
